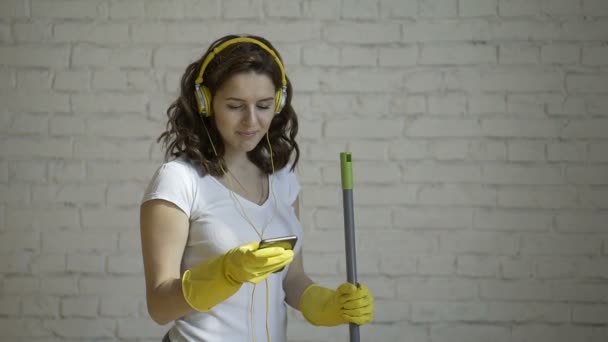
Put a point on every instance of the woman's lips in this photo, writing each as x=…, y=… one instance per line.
x=247, y=134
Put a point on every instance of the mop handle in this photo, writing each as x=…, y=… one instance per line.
x=349, y=230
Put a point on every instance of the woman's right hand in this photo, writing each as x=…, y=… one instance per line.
x=215, y=280
x=249, y=263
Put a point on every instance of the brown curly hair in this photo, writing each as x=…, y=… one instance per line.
x=185, y=134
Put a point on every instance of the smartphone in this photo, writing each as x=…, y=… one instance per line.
x=287, y=242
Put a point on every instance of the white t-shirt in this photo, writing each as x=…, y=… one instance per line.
x=218, y=224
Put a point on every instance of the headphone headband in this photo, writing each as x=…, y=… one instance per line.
x=222, y=46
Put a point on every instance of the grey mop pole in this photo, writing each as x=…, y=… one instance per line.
x=349, y=230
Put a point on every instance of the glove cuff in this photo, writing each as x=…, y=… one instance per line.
x=315, y=309
x=206, y=285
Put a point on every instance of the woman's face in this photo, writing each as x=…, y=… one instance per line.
x=243, y=108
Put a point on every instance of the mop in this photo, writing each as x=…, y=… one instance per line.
x=349, y=230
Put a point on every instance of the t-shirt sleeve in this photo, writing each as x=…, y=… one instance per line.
x=172, y=182
x=291, y=185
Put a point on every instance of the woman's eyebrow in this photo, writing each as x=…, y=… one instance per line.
x=241, y=100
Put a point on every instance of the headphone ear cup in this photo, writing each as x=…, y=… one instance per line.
x=280, y=99
x=208, y=110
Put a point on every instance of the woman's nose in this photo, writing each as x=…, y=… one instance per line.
x=250, y=114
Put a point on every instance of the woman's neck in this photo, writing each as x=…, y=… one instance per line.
x=245, y=178
x=238, y=162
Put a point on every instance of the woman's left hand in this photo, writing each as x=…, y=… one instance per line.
x=357, y=303
x=347, y=304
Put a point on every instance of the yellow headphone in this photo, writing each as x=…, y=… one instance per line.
x=203, y=95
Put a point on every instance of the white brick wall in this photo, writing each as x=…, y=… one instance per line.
x=479, y=133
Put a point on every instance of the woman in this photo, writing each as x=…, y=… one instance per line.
x=229, y=184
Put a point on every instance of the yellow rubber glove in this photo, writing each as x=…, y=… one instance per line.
x=347, y=304
x=215, y=280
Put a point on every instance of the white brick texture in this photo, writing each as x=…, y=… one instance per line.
x=479, y=135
